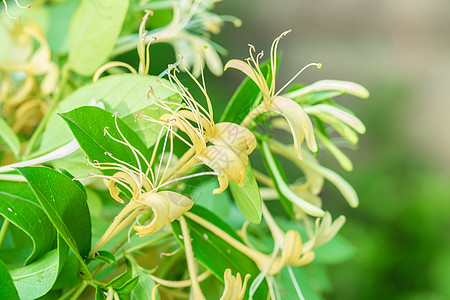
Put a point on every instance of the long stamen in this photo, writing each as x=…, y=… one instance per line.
x=273, y=59
x=318, y=65
x=7, y=13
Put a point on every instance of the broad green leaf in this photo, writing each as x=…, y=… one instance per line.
x=214, y=253
x=7, y=288
x=128, y=286
x=126, y=93
x=37, y=278
x=88, y=126
x=145, y=285
x=19, y=205
x=9, y=138
x=248, y=197
x=65, y=205
x=246, y=97
x=93, y=32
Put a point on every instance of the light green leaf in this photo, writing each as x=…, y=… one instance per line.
x=88, y=126
x=19, y=205
x=126, y=93
x=9, y=138
x=336, y=251
x=65, y=205
x=248, y=197
x=36, y=279
x=93, y=32
x=7, y=288
x=206, y=245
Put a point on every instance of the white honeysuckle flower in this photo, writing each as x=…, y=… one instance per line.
x=234, y=288
x=321, y=110
x=331, y=85
x=326, y=229
x=299, y=122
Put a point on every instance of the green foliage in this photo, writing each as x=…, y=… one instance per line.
x=7, y=288
x=93, y=32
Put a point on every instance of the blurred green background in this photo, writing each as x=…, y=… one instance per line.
x=399, y=50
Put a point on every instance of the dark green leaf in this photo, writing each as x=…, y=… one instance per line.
x=99, y=295
x=88, y=126
x=214, y=253
x=93, y=32
x=37, y=278
x=19, y=205
x=128, y=286
x=248, y=197
x=65, y=205
x=7, y=288
x=105, y=257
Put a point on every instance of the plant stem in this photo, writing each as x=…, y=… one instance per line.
x=4, y=230
x=79, y=290
x=69, y=292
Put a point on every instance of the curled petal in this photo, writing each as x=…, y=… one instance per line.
x=125, y=178
x=325, y=231
x=236, y=137
x=50, y=80
x=246, y=69
x=226, y=164
x=299, y=122
x=179, y=204
x=340, y=114
x=161, y=207
x=234, y=289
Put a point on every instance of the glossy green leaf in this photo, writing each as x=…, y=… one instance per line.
x=246, y=97
x=93, y=32
x=37, y=278
x=19, y=205
x=65, y=205
x=214, y=253
x=9, y=138
x=7, y=288
x=248, y=197
x=126, y=93
x=88, y=126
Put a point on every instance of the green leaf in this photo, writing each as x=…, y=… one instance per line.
x=7, y=288
x=99, y=295
x=36, y=279
x=126, y=93
x=93, y=32
x=143, y=288
x=88, y=126
x=65, y=205
x=336, y=251
x=214, y=253
x=248, y=197
x=128, y=286
x=19, y=205
x=105, y=257
x=246, y=97
x=9, y=138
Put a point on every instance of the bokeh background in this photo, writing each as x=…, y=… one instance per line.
x=400, y=51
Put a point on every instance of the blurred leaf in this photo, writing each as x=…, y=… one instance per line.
x=214, y=253
x=128, y=286
x=93, y=32
x=336, y=251
x=310, y=280
x=126, y=93
x=37, y=278
x=247, y=96
x=7, y=288
x=144, y=286
x=65, y=205
x=105, y=257
x=19, y=205
x=88, y=125
x=99, y=295
x=248, y=197
x=9, y=138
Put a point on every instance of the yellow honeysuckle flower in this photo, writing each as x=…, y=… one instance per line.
x=234, y=288
x=299, y=122
x=143, y=184
x=326, y=229
x=231, y=143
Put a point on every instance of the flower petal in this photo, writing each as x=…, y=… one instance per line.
x=299, y=122
x=226, y=164
x=179, y=204
x=245, y=68
x=161, y=207
x=340, y=114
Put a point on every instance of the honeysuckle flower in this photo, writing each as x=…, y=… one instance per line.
x=234, y=288
x=299, y=122
x=21, y=94
x=231, y=143
x=326, y=229
x=144, y=191
x=188, y=32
